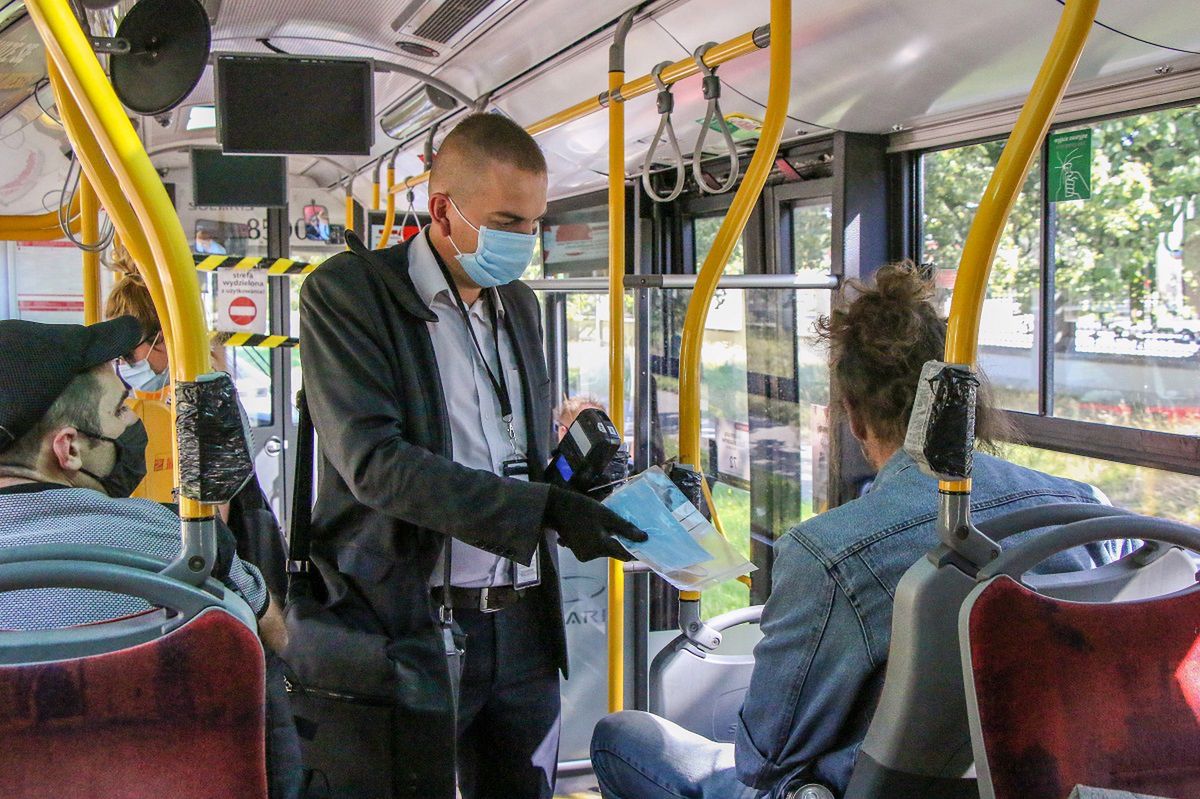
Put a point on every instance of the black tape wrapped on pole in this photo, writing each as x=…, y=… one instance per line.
x=941, y=430
x=215, y=460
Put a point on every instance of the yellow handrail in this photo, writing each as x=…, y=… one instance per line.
x=90, y=231
x=616, y=372
x=719, y=54
x=983, y=239
x=46, y=221
x=349, y=210
x=389, y=216
x=129, y=175
x=40, y=227
x=731, y=231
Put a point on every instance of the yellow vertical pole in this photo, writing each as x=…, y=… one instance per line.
x=616, y=335
x=89, y=205
x=389, y=216
x=616, y=370
x=730, y=232
x=983, y=238
x=349, y=205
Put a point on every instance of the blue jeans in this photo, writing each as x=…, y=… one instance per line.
x=638, y=755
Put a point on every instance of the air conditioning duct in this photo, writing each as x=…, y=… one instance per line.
x=415, y=112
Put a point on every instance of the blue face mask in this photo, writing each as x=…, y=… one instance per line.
x=500, y=257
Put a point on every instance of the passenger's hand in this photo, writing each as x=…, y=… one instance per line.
x=586, y=527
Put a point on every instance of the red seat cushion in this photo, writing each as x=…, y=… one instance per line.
x=180, y=717
x=1092, y=694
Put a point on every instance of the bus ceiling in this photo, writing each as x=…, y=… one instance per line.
x=866, y=66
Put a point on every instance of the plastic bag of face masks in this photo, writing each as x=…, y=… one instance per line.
x=682, y=548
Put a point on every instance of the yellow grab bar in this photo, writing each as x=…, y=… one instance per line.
x=983, y=239
x=349, y=209
x=749, y=42
x=81, y=77
x=40, y=227
x=731, y=231
x=389, y=216
x=90, y=230
x=46, y=221
x=616, y=372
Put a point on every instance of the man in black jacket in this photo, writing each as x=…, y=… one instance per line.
x=426, y=380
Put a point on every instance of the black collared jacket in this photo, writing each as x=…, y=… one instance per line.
x=388, y=491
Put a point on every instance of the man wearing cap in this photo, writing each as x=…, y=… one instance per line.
x=71, y=452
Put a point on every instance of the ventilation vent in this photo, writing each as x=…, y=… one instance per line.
x=417, y=49
x=450, y=18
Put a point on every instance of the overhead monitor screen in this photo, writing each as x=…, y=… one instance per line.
x=250, y=181
x=271, y=104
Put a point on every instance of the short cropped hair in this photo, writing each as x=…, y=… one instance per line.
x=878, y=344
x=487, y=138
x=78, y=406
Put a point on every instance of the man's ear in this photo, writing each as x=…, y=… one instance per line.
x=439, y=212
x=66, y=449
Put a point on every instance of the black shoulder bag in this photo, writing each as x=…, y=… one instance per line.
x=370, y=710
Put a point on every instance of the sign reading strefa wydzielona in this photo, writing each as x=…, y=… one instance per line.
x=241, y=302
x=1070, y=171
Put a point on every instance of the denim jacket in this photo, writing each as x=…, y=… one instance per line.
x=827, y=625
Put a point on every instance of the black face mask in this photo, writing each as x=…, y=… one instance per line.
x=129, y=467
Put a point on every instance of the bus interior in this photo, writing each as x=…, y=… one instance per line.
x=880, y=146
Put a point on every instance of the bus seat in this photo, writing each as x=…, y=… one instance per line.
x=1086, y=792
x=1065, y=693
x=168, y=702
x=919, y=742
x=699, y=690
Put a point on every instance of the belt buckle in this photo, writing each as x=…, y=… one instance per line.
x=485, y=595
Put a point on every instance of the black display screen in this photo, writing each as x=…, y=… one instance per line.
x=295, y=105
x=238, y=180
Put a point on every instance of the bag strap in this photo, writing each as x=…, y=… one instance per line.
x=300, y=524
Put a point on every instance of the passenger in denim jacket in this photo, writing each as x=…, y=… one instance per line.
x=827, y=625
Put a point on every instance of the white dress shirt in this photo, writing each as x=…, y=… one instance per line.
x=478, y=433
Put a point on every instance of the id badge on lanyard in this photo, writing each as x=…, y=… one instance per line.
x=516, y=465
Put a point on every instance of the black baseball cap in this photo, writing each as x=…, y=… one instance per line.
x=38, y=362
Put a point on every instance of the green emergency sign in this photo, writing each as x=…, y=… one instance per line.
x=1070, y=171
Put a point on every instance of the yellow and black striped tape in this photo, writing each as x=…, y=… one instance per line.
x=259, y=340
x=236, y=263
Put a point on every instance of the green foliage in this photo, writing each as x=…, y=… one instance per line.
x=1145, y=175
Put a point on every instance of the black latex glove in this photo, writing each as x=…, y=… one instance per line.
x=586, y=527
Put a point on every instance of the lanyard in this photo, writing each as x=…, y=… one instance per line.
x=499, y=384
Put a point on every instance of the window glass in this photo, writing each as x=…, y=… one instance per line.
x=953, y=181
x=704, y=232
x=1148, y=491
x=764, y=391
x=1127, y=278
x=812, y=237
x=573, y=244
x=42, y=281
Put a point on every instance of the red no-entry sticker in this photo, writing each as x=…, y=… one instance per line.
x=242, y=311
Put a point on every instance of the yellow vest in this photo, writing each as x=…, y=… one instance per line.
x=154, y=409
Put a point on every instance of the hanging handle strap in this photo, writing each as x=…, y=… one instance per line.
x=712, y=93
x=411, y=211
x=666, y=104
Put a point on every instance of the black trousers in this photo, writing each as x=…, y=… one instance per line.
x=509, y=711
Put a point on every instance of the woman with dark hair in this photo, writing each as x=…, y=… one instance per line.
x=827, y=625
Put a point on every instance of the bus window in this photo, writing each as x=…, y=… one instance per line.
x=952, y=182
x=1127, y=278
x=812, y=236
x=1153, y=492
x=42, y=281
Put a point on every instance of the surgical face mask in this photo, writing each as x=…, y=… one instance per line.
x=135, y=374
x=500, y=256
x=129, y=465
